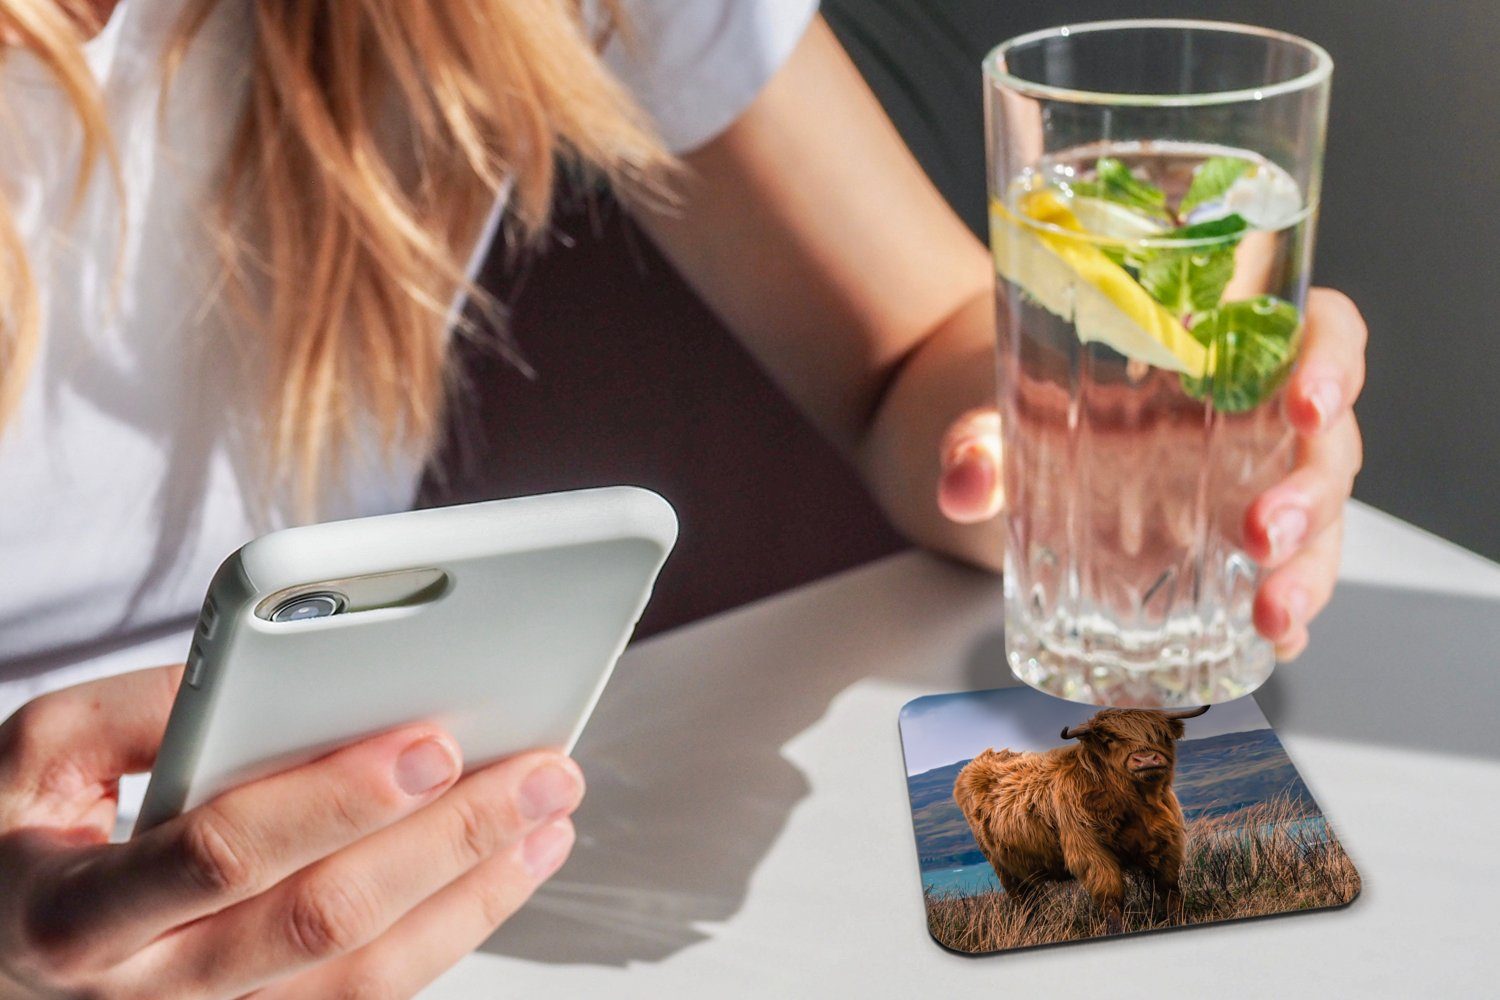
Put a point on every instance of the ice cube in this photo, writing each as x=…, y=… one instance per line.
x=1265, y=196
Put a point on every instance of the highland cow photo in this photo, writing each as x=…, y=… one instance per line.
x=1040, y=821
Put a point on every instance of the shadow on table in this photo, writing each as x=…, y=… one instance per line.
x=688, y=786
x=689, y=789
x=1396, y=667
x=1391, y=666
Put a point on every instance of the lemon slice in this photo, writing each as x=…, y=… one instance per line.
x=1075, y=280
x=1106, y=218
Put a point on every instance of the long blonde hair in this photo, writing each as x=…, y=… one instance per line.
x=345, y=257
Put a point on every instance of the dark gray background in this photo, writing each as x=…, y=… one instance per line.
x=1408, y=223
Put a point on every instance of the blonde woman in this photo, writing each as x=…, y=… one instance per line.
x=231, y=239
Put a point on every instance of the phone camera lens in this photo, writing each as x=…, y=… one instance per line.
x=305, y=606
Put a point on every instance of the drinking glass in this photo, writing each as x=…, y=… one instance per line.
x=1153, y=188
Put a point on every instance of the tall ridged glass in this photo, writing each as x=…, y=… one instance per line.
x=1153, y=188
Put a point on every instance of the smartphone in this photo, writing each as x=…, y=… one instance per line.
x=500, y=621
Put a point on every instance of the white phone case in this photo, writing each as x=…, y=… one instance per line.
x=538, y=598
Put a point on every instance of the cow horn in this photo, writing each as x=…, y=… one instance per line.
x=1073, y=732
x=1187, y=713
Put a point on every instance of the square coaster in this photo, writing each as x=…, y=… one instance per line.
x=1040, y=821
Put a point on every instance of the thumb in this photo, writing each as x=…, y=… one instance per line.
x=970, y=487
x=103, y=729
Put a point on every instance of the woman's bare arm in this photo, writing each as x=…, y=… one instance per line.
x=817, y=237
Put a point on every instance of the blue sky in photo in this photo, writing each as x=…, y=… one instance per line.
x=943, y=728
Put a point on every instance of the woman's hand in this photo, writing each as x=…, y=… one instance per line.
x=1295, y=528
x=375, y=865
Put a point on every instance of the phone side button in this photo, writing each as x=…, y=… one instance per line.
x=194, y=672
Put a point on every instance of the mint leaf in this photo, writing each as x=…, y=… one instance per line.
x=1250, y=349
x=1214, y=229
x=1187, y=285
x=1119, y=255
x=1211, y=180
x=1192, y=279
x=1114, y=182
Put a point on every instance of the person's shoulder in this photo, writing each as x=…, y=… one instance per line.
x=694, y=65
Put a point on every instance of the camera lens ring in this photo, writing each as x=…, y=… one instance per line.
x=308, y=606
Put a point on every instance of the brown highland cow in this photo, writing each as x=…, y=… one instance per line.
x=1088, y=811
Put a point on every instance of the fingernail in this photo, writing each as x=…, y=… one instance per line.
x=1286, y=530
x=1325, y=395
x=971, y=470
x=969, y=453
x=424, y=765
x=549, y=790
x=971, y=479
x=545, y=850
x=1296, y=604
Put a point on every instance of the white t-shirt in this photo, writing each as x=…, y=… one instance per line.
x=124, y=479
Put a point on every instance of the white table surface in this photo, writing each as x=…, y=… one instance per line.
x=746, y=831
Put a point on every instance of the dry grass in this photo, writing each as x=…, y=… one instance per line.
x=1269, y=858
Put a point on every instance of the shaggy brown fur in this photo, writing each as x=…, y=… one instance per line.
x=1088, y=811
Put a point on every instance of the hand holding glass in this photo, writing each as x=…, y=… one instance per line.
x=1153, y=186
